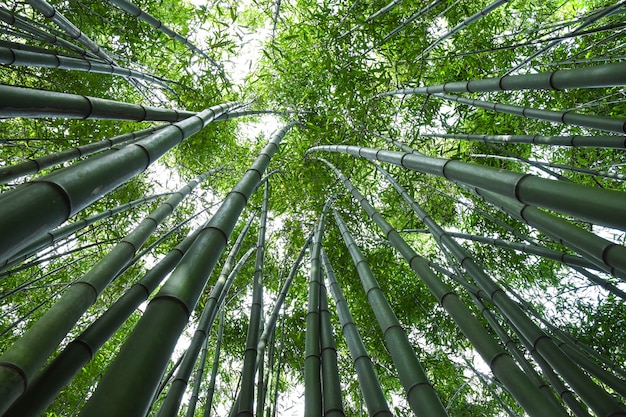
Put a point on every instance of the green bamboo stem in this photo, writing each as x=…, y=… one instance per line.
x=542, y=166
x=128, y=386
x=260, y=386
x=208, y=404
x=60, y=372
x=267, y=388
x=312, y=357
x=409, y=20
x=587, y=21
x=333, y=404
x=598, y=76
x=32, y=166
x=20, y=362
x=31, y=48
x=22, y=58
x=30, y=102
x=609, y=206
x=368, y=381
x=22, y=23
x=511, y=156
x=371, y=17
x=422, y=396
x=246, y=394
x=280, y=300
x=69, y=190
x=501, y=364
x=597, y=399
x=171, y=403
x=473, y=18
x=605, y=254
x=616, y=142
x=608, y=124
x=197, y=382
x=134, y=10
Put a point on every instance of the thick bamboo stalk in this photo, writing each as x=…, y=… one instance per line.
x=333, y=404
x=421, y=395
x=128, y=386
x=246, y=394
x=598, y=76
x=368, y=381
x=616, y=142
x=597, y=399
x=30, y=102
x=20, y=362
x=609, y=206
x=60, y=372
x=64, y=192
x=501, y=364
x=312, y=357
x=172, y=401
x=20, y=58
x=32, y=166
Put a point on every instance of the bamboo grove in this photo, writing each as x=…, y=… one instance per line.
x=316, y=208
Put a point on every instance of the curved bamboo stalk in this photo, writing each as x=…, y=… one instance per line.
x=517, y=382
x=20, y=362
x=598, y=76
x=609, y=206
x=616, y=142
x=69, y=190
x=32, y=166
x=33, y=103
x=171, y=403
x=312, y=357
x=246, y=394
x=597, y=399
x=19, y=58
x=422, y=396
x=333, y=404
x=368, y=381
x=129, y=385
x=473, y=18
x=60, y=372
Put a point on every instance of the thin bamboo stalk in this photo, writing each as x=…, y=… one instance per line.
x=208, y=404
x=20, y=362
x=470, y=20
x=616, y=142
x=609, y=206
x=246, y=394
x=501, y=364
x=422, y=396
x=128, y=386
x=197, y=382
x=32, y=166
x=368, y=381
x=69, y=190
